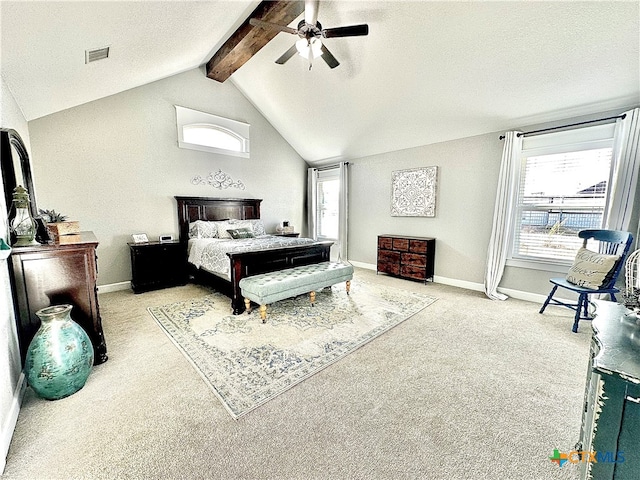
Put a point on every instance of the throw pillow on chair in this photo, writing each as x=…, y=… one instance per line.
x=591, y=269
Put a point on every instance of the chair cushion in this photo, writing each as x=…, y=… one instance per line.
x=591, y=269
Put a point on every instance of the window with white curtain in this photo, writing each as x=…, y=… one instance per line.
x=211, y=133
x=564, y=187
x=328, y=204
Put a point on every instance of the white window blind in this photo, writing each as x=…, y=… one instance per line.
x=564, y=182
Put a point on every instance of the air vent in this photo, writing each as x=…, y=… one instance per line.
x=96, y=54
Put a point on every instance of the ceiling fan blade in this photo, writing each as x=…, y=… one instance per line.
x=259, y=23
x=311, y=11
x=328, y=57
x=287, y=55
x=349, y=31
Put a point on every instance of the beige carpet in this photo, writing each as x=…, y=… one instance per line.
x=468, y=388
x=247, y=362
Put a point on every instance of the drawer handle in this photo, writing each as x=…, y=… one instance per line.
x=632, y=399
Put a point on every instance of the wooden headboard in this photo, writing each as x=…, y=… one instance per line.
x=191, y=209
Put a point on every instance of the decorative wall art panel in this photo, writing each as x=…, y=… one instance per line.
x=219, y=180
x=413, y=192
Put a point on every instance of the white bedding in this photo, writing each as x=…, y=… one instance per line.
x=211, y=253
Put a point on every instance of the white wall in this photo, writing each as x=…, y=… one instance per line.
x=466, y=188
x=466, y=191
x=114, y=164
x=11, y=379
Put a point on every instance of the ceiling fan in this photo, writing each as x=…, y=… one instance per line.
x=310, y=32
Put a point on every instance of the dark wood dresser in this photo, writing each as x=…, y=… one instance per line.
x=54, y=274
x=406, y=257
x=609, y=447
x=157, y=265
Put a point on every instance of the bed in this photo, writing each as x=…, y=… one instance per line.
x=243, y=262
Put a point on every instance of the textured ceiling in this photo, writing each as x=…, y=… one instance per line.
x=427, y=72
x=43, y=44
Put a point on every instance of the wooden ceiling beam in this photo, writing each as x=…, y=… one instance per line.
x=247, y=40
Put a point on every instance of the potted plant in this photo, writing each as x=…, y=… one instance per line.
x=58, y=225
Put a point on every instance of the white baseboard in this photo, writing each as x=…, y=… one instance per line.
x=368, y=266
x=528, y=296
x=454, y=282
x=478, y=287
x=114, y=287
x=6, y=432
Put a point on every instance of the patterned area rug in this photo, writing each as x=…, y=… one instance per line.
x=247, y=363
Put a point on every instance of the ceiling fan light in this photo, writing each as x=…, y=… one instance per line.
x=303, y=46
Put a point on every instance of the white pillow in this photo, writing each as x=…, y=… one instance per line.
x=202, y=229
x=591, y=269
x=258, y=227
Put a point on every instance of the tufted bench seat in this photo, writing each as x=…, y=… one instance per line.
x=271, y=287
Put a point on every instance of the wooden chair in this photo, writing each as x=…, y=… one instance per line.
x=612, y=242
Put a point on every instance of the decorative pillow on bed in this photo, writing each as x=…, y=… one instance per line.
x=258, y=227
x=591, y=269
x=225, y=226
x=202, y=229
x=240, y=233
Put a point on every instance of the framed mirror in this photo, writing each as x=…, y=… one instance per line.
x=16, y=167
x=16, y=170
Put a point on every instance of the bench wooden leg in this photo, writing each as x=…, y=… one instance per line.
x=247, y=305
x=348, y=286
x=263, y=313
x=312, y=297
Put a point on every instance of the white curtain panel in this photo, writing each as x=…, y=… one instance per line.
x=502, y=215
x=343, y=214
x=626, y=159
x=312, y=203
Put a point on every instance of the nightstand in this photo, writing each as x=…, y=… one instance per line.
x=157, y=265
x=294, y=235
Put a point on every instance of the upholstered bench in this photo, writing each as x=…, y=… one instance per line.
x=271, y=287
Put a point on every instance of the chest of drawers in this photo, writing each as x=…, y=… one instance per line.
x=55, y=274
x=406, y=257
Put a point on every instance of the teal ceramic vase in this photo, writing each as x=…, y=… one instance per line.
x=60, y=356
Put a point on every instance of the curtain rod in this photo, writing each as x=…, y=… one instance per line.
x=533, y=132
x=329, y=167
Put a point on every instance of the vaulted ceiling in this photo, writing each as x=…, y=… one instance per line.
x=427, y=72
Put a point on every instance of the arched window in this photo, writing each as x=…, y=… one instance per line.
x=210, y=133
x=212, y=136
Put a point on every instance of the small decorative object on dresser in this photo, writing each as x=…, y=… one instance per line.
x=58, y=225
x=285, y=229
x=21, y=223
x=157, y=265
x=140, y=238
x=406, y=257
x=60, y=355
